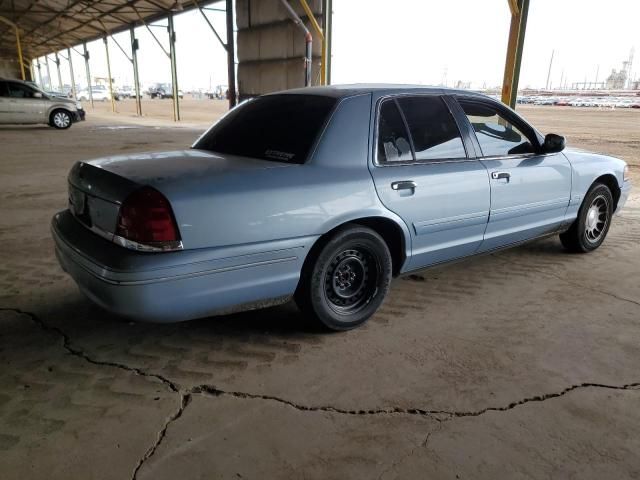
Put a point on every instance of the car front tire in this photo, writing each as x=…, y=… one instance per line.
x=60, y=119
x=346, y=279
x=589, y=230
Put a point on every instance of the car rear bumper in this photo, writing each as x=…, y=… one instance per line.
x=176, y=286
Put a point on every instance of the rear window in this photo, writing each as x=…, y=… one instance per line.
x=274, y=127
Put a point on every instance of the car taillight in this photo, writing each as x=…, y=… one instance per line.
x=146, y=222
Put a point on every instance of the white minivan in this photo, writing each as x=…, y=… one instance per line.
x=22, y=103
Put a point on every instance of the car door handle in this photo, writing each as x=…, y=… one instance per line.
x=403, y=185
x=499, y=175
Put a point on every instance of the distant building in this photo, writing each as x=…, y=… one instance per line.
x=617, y=80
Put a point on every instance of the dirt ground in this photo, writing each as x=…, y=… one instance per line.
x=521, y=364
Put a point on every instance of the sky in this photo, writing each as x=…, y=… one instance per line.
x=407, y=41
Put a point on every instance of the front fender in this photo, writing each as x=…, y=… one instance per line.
x=586, y=169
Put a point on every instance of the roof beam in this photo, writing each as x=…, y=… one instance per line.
x=102, y=15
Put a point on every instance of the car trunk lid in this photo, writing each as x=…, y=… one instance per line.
x=97, y=188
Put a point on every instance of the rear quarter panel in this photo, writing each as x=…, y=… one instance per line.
x=295, y=201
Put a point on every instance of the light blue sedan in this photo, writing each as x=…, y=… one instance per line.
x=323, y=195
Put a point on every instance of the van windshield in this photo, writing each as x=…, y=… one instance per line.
x=280, y=127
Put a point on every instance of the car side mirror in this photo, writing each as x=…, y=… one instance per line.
x=553, y=143
x=37, y=95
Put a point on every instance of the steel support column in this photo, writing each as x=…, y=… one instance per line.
x=136, y=80
x=19, y=48
x=39, y=73
x=519, y=12
x=106, y=49
x=327, y=12
x=174, y=68
x=73, y=78
x=32, y=71
x=59, y=74
x=88, y=72
x=18, y=43
x=231, y=55
x=46, y=57
x=323, y=39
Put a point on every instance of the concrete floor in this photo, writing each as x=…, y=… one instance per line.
x=522, y=364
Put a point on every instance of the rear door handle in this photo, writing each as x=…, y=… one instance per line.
x=403, y=185
x=499, y=175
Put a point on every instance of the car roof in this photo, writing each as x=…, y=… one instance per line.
x=349, y=90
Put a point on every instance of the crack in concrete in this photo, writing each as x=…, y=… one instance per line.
x=403, y=458
x=216, y=392
x=68, y=346
x=433, y=414
x=550, y=273
x=185, y=400
x=594, y=289
x=211, y=390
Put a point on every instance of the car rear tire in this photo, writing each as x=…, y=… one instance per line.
x=589, y=230
x=60, y=119
x=346, y=280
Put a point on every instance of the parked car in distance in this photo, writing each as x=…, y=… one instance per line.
x=219, y=93
x=546, y=101
x=99, y=93
x=127, y=92
x=22, y=103
x=324, y=194
x=163, y=90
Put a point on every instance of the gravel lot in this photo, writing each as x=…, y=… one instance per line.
x=521, y=364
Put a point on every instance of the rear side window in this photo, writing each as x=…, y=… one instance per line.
x=18, y=90
x=496, y=135
x=433, y=130
x=3, y=89
x=274, y=127
x=393, y=139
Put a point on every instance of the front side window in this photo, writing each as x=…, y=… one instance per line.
x=274, y=127
x=3, y=89
x=18, y=90
x=433, y=130
x=496, y=135
x=393, y=139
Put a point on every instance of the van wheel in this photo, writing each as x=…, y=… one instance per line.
x=60, y=119
x=589, y=230
x=347, y=280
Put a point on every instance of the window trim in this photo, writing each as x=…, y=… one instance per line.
x=526, y=129
x=393, y=97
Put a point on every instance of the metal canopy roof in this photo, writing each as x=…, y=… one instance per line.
x=50, y=25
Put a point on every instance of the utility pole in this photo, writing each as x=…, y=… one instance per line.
x=550, y=64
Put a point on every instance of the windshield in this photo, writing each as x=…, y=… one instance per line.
x=280, y=127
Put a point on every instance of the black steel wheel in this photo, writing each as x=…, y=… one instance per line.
x=346, y=279
x=589, y=230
